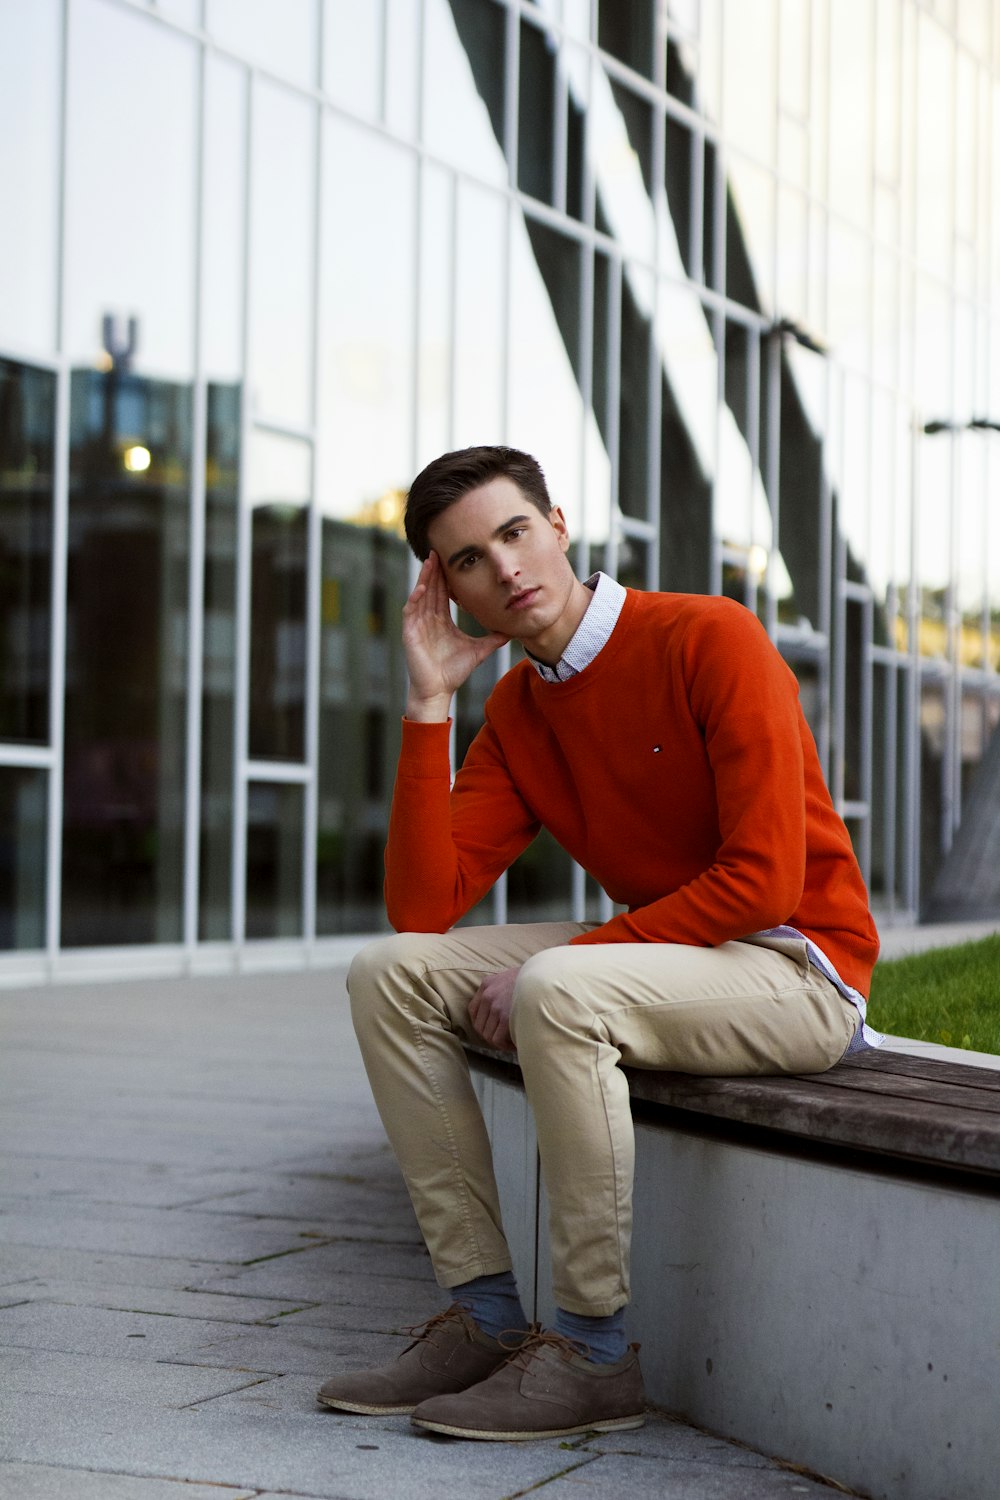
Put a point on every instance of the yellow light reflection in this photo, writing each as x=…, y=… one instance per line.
x=137, y=459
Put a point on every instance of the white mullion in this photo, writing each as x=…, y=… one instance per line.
x=866, y=728
x=196, y=549
x=772, y=477
x=752, y=346
x=60, y=540
x=511, y=92
x=560, y=133
x=244, y=538
x=613, y=412
x=715, y=540
x=314, y=564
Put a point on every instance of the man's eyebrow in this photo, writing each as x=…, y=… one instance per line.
x=504, y=526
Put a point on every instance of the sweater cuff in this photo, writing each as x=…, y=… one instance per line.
x=425, y=749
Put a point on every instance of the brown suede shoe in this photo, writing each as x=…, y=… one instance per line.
x=448, y=1354
x=546, y=1389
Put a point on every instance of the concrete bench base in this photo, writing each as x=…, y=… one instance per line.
x=827, y=1305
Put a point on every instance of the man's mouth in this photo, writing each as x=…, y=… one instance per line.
x=522, y=600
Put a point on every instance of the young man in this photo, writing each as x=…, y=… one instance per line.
x=659, y=737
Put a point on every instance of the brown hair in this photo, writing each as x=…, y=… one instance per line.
x=453, y=475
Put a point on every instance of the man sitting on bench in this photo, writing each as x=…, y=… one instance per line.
x=660, y=739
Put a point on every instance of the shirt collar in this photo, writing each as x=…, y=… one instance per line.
x=591, y=635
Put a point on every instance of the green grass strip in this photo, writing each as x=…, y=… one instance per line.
x=949, y=995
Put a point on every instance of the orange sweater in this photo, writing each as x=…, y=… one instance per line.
x=678, y=769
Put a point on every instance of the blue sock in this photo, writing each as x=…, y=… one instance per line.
x=492, y=1302
x=605, y=1337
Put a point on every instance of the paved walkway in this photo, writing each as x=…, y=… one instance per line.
x=200, y=1219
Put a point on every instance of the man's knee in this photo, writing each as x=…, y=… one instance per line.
x=544, y=995
x=382, y=972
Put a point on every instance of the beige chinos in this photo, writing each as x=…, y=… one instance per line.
x=749, y=1007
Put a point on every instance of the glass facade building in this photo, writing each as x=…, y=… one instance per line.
x=729, y=268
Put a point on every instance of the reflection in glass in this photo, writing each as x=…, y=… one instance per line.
x=625, y=29
x=278, y=485
x=275, y=814
x=29, y=116
x=282, y=37
x=23, y=796
x=219, y=663
x=225, y=215
x=282, y=217
x=933, y=730
x=539, y=882
x=131, y=150
x=352, y=56
x=366, y=344
x=933, y=528
x=126, y=636
x=27, y=415
x=463, y=122
x=362, y=690
x=480, y=345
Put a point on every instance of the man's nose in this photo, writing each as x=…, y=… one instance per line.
x=506, y=567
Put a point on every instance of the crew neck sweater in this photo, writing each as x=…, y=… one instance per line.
x=677, y=769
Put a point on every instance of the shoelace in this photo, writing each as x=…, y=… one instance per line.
x=536, y=1340
x=424, y=1330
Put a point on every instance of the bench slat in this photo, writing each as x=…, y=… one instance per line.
x=965, y=1075
x=904, y=1086
x=933, y=1133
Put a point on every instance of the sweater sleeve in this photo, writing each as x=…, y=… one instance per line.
x=447, y=846
x=744, y=700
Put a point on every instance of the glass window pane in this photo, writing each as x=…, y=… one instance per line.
x=933, y=524
x=225, y=218
x=625, y=29
x=23, y=796
x=480, y=365
x=362, y=689
x=131, y=189
x=219, y=662
x=540, y=883
x=352, y=56
x=464, y=86
x=850, y=120
x=126, y=637
x=279, y=37
x=27, y=417
x=275, y=816
x=402, y=29
x=283, y=207
x=933, y=146
x=366, y=344
x=29, y=178
x=278, y=488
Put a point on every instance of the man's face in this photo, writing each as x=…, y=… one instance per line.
x=506, y=564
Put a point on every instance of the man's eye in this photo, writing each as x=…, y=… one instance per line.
x=468, y=560
x=514, y=533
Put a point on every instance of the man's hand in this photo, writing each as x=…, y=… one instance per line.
x=439, y=656
x=490, y=1007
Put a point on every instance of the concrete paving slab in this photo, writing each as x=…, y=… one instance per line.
x=149, y=1231
x=38, y=1372
x=283, y=1350
x=43, y=1482
x=670, y=1439
x=343, y=1460
x=103, y=1331
x=208, y=1306
x=25, y=1261
x=638, y=1478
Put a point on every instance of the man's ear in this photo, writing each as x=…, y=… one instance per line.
x=557, y=521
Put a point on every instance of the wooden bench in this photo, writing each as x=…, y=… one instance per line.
x=816, y=1260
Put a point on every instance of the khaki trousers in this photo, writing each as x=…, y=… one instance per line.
x=746, y=1007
